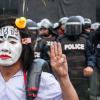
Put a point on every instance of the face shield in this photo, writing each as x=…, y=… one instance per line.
x=73, y=28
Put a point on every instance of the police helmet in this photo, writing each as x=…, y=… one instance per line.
x=87, y=23
x=81, y=18
x=45, y=23
x=63, y=20
x=31, y=25
x=95, y=26
x=73, y=26
x=56, y=25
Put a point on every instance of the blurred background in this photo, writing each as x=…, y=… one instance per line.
x=51, y=9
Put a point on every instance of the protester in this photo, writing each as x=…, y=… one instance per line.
x=16, y=58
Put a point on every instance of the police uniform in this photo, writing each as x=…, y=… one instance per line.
x=78, y=53
x=95, y=80
x=75, y=52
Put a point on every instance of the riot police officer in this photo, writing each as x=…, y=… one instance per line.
x=47, y=35
x=62, y=22
x=86, y=30
x=37, y=42
x=95, y=84
x=75, y=47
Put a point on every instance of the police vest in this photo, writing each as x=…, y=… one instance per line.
x=46, y=49
x=75, y=53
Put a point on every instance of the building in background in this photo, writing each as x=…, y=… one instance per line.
x=98, y=10
x=52, y=9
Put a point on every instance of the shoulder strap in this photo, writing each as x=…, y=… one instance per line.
x=33, y=77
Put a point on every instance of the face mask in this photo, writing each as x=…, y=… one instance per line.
x=10, y=45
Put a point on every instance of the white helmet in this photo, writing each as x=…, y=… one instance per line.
x=39, y=25
x=87, y=21
x=63, y=20
x=81, y=19
x=45, y=23
x=31, y=25
x=56, y=25
x=95, y=26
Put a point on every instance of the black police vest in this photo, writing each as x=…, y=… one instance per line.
x=46, y=49
x=75, y=53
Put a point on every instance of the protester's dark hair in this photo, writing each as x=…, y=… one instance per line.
x=27, y=54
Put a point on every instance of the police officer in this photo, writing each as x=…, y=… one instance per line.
x=95, y=86
x=86, y=30
x=32, y=26
x=57, y=28
x=75, y=48
x=45, y=30
x=62, y=22
x=46, y=33
x=37, y=41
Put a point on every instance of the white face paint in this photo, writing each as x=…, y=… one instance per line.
x=10, y=45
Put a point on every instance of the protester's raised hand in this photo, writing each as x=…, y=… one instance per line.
x=60, y=68
x=58, y=60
